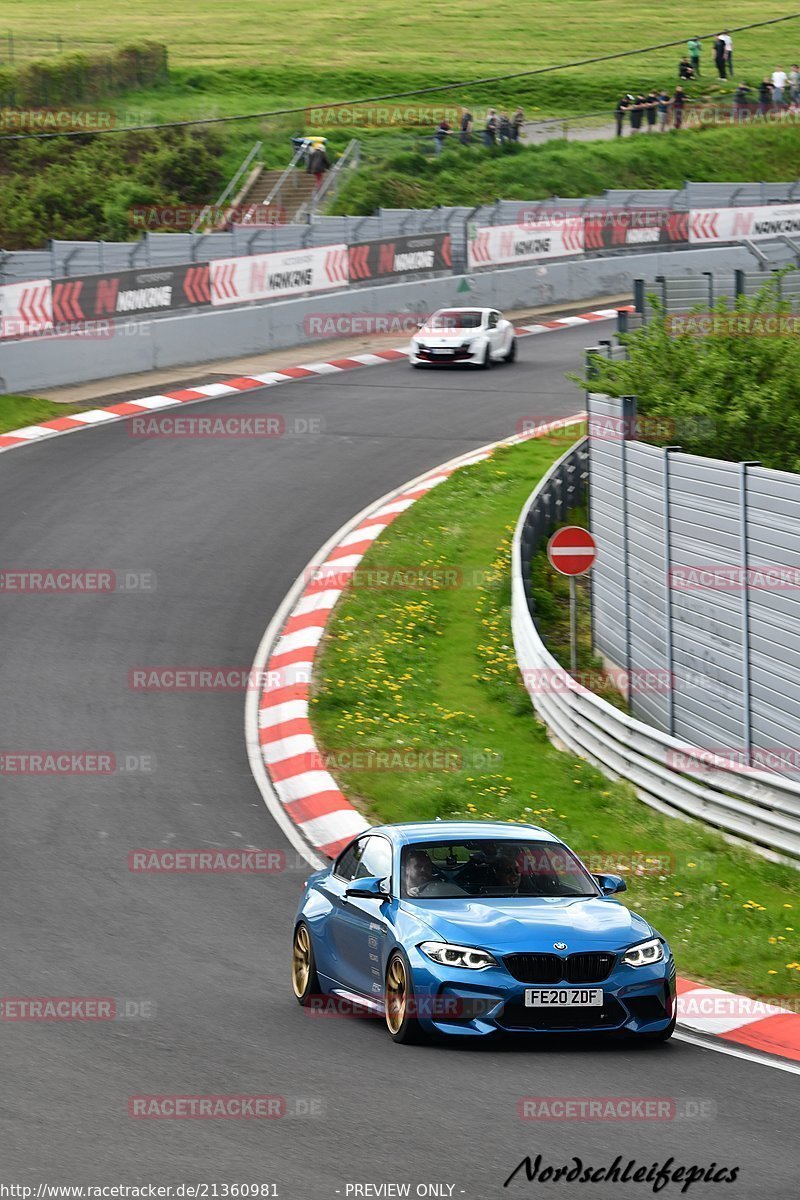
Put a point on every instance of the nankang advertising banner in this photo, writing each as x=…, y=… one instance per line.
x=386, y=258
x=499, y=245
x=25, y=308
x=735, y=224
x=270, y=276
x=635, y=227
x=129, y=293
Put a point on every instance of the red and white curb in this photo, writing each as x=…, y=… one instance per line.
x=740, y=1020
x=312, y=810
x=213, y=391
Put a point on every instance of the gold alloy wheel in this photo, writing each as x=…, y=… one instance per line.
x=396, y=995
x=301, y=961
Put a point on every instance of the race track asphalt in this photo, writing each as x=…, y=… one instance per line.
x=225, y=526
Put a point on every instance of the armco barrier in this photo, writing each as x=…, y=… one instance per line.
x=756, y=807
x=206, y=334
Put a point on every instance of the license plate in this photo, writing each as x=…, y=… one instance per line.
x=563, y=997
x=441, y=351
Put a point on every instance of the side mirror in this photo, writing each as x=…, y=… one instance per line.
x=370, y=888
x=609, y=884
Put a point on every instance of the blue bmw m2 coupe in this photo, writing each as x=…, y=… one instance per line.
x=474, y=928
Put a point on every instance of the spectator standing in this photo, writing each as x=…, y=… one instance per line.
x=765, y=95
x=741, y=103
x=728, y=40
x=794, y=83
x=663, y=109
x=779, y=81
x=623, y=107
x=318, y=163
x=465, y=130
x=651, y=107
x=720, y=54
x=517, y=121
x=678, y=101
x=685, y=69
x=694, y=47
x=637, y=112
x=443, y=132
x=504, y=129
x=490, y=128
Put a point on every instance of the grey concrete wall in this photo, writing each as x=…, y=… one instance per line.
x=198, y=337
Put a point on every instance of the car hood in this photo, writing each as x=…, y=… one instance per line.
x=534, y=923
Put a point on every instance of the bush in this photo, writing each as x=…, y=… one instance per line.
x=723, y=396
x=84, y=78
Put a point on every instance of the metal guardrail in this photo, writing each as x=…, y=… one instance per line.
x=685, y=293
x=230, y=190
x=64, y=258
x=756, y=807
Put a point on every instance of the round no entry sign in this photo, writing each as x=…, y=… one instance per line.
x=572, y=550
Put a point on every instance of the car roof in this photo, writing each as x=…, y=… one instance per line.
x=408, y=832
x=464, y=308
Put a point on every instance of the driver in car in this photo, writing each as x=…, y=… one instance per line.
x=506, y=874
x=418, y=873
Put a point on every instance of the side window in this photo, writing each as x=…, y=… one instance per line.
x=376, y=859
x=493, y=319
x=347, y=864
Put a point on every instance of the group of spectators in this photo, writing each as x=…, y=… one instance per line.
x=775, y=92
x=656, y=108
x=497, y=128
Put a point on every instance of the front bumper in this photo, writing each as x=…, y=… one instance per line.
x=439, y=355
x=466, y=1003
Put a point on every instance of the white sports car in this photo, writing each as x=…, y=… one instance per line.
x=478, y=336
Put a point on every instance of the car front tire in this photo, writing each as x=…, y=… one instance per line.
x=305, y=981
x=398, y=1003
x=511, y=355
x=486, y=362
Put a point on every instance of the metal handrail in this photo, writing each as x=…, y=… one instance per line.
x=351, y=157
x=757, y=807
x=287, y=171
x=229, y=190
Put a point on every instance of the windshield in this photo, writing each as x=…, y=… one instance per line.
x=449, y=318
x=492, y=867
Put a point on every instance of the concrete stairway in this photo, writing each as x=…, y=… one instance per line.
x=297, y=188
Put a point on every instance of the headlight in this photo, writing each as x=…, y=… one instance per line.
x=458, y=956
x=644, y=954
x=467, y=345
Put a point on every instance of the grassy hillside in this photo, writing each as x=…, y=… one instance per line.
x=352, y=49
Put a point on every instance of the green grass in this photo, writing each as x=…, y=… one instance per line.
x=268, y=53
x=16, y=411
x=472, y=175
x=435, y=668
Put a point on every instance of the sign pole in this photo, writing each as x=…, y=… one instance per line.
x=572, y=551
x=573, y=626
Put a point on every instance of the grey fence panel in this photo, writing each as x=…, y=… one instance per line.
x=724, y=624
